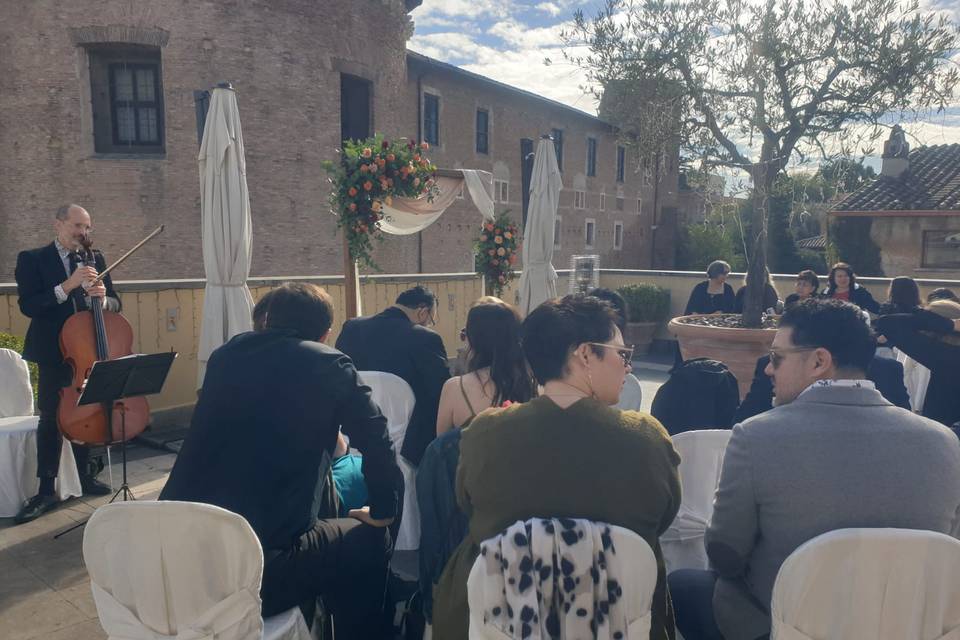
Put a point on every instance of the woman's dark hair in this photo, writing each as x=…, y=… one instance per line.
x=834, y=325
x=301, y=307
x=841, y=266
x=717, y=268
x=616, y=301
x=904, y=293
x=557, y=327
x=809, y=276
x=493, y=331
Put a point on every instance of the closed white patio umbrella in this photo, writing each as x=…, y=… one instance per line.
x=226, y=227
x=538, y=281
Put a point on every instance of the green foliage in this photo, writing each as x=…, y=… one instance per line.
x=15, y=343
x=646, y=302
x=701, y=244
x=851, y=243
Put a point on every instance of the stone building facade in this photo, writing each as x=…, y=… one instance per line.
x=98, y=104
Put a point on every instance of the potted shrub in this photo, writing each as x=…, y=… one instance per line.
x=647, y=307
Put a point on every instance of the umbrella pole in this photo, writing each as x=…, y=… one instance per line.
x=350, y=281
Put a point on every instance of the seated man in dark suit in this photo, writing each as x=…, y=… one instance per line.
x=886, y=373
x=398, y=341
x=260, y=444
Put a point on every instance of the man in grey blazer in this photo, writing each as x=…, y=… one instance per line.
x=831, y=454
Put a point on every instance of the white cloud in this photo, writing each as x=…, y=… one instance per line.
x=550, y=7
x=521, y=36
x=462, y=9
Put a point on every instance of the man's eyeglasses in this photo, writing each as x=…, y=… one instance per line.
x=777, y=355
x=625, y=352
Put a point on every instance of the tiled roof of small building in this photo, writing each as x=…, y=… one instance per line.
x=813, y=242
x=931, y=183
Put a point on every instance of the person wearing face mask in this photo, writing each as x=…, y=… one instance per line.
x=399, y=340
x=567, y=453
x=52, y=285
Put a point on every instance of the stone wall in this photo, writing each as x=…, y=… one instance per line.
x=901, y=244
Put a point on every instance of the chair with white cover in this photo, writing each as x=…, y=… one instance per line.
x=608, y=575
x=701, y=458
x=18, y=441
x=396, y=400
x=179, y=571
x=869, y=584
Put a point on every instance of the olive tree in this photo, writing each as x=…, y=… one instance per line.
x=757, y=84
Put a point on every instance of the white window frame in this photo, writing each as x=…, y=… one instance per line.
x=558, y=232
x=587, y=225
x=617, y=225
x=501, y=190
x=579, y=199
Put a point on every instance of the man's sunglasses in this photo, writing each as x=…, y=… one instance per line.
x=777, y=355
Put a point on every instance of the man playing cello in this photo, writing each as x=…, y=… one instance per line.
x=52, y=284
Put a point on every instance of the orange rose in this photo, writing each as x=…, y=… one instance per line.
x=352, y=192
x=424, y=146
x=376, y=205
x=367, y=152
x=367, y=185
x=508, y=235
x=498, y=239
x=416, y=157
x=500, y=251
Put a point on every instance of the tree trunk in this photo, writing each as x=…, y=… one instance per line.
x=757, y=274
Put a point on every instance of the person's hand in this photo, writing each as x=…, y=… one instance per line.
x=363, y=515
x=78, y=277
x=96, y=291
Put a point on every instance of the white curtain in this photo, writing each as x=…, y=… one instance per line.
x=538, y=282
x=226, y=227
x=406, y=216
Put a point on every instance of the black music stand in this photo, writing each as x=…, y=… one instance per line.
x=112, y=381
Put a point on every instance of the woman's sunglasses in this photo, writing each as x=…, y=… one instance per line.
x=625, y=352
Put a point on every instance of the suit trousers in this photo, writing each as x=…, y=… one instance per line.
x=340, y=560
x=53, y=377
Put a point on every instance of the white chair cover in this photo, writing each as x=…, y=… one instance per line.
x=916, y=377
x=178, y=570
x=16, y=394
x=396, y=400
x=870, y=584
x=502, y=607
x=18, y=441
x=701, y=458
x=631, y=396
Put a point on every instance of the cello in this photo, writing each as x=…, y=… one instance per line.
x=88, y=337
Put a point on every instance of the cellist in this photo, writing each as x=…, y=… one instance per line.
x=52, y=284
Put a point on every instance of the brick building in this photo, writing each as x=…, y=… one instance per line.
x=99, y=104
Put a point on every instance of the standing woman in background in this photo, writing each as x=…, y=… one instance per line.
x=843, y=286
x=713, y=295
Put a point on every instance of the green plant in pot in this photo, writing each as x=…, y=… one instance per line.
x=647, y=307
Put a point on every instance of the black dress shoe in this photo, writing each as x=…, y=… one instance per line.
x=93, y=487
x=35, y=507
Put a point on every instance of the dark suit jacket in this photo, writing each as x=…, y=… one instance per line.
x=389, y=342
x=886, y=373
x=264, y=430
x=38, y=271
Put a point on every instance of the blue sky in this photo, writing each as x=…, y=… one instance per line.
x=508, y=41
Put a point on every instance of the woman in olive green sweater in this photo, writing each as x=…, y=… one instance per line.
x=564, y=454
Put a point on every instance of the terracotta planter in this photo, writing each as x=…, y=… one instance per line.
x=640, y=335
x=739, y=349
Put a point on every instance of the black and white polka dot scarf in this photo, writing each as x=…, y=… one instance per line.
x=554, y=579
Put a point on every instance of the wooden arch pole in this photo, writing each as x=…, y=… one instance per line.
x=351, y=282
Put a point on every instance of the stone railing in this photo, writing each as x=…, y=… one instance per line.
x=166, y=314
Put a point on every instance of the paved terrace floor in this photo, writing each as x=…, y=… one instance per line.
x=44, y=588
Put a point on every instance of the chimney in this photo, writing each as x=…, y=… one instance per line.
x=896, y=154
